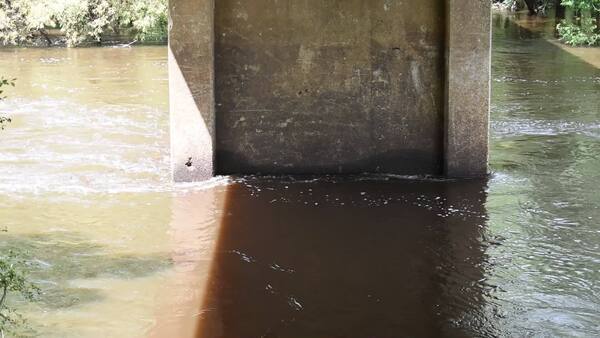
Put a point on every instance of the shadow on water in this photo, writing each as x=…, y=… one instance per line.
x=348, y=258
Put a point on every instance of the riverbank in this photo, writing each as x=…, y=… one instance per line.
x=544, y=27
x=56, y=38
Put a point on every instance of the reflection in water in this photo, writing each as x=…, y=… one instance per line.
x=120, y=252
x=364, y=258
x=194, y=226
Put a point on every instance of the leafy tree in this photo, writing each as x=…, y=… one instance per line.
x=148, y=18
x=578, y=21
x=533, y=6
x=16, y=24
x=21, y=21
x=84, y=20
x=580, y=26
x=581, y=4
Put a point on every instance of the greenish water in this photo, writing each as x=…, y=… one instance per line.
x=120, y=252
x=544, y=196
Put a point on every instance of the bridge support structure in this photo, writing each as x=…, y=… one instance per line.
x=329, y=87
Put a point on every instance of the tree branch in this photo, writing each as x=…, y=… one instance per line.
x=4, y=292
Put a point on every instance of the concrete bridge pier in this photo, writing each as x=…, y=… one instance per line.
x=329, y=87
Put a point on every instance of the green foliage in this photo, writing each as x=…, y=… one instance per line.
x=82, y=21
x=584, y=30
x=15, y=27
x=582, y=4
x=148, y=18
x=539, y=6
x=5, y=82
x=13, y=280
x=579, y=35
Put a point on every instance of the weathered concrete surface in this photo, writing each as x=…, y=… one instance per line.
x=329, y=86
x=191, y=89
x=309, y=87
x=468, y=59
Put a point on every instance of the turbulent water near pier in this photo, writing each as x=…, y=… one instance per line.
x=120, y=252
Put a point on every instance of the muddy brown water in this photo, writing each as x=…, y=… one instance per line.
x=121, y=252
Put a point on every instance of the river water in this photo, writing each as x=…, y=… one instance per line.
x=118, y=251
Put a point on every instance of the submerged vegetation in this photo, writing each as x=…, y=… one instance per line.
x=578, y=21
x=13, y=280
x=60, y=262
x=81, y=21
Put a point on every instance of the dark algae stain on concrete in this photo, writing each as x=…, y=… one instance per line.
x=329, y=86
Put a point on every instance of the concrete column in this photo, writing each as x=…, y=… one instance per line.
x=468, y=56
x=191, y=89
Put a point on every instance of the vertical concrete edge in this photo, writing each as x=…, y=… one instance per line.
x=191, y=89
x=467, y=88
